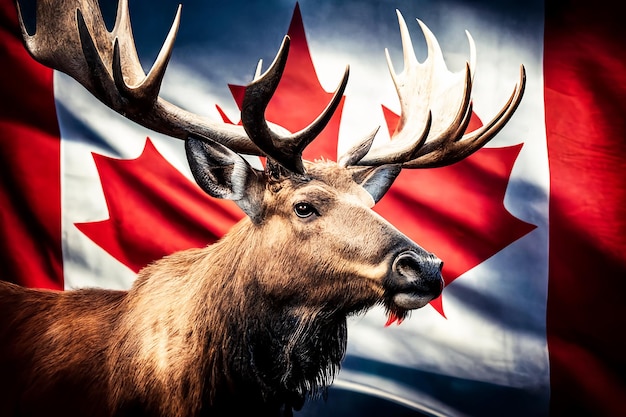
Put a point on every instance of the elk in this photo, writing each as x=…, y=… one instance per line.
x=256, y=322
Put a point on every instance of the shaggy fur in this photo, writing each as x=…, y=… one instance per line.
x=228, y=351
x=254, y=323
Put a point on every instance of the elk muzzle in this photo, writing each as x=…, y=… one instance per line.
x=415, y=279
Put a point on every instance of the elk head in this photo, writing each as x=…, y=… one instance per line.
x=314, y=219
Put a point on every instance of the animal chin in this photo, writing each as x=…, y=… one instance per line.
x=399, y=305
x=410, y=300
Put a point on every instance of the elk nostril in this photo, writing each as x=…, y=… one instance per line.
x=420, y=271
x=411, y=264
x=406, y=265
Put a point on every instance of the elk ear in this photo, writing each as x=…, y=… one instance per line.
x=376, y=180
x=222, y=173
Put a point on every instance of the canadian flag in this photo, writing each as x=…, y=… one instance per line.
x=532, y=228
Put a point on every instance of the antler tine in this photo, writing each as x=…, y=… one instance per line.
x=437, y=154
x=358, y=151
x=286, y=150
x=435, y=109
x=141, y=87
x=71, y=37
x=431, y=101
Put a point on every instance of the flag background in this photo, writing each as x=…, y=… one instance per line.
x=585, y=91
x=532, y=324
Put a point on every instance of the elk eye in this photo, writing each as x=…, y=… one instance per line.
x=304, y=210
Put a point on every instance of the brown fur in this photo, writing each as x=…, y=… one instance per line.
x=256, y=322
x=253, y=323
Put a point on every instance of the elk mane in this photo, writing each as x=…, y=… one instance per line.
x=188, y=348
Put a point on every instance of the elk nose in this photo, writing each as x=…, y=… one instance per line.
x=415, y=279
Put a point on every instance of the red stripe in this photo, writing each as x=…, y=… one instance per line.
x=30, y=199
x=585, y=98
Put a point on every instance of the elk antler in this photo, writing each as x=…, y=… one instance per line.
x=71, y=37
x=435, y=111
x=287, y=150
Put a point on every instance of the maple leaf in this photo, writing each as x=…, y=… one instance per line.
x=154, y=210
x=456, y=211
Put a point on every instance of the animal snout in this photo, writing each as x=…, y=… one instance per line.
x=415, y=279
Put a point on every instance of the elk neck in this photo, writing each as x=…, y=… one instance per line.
x=201, y=318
